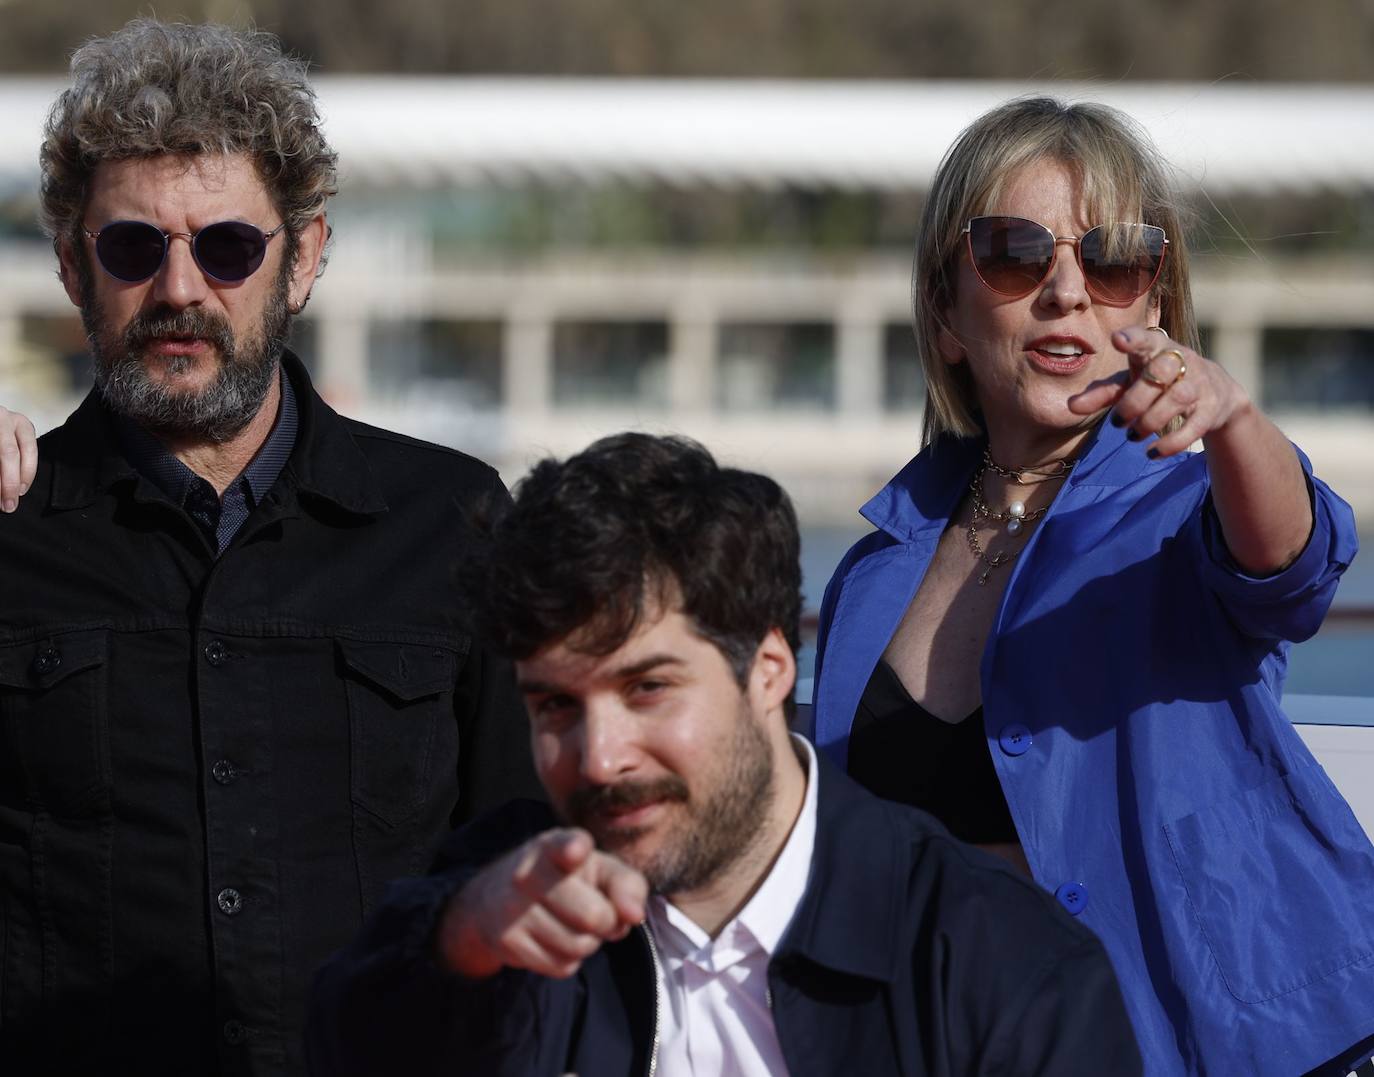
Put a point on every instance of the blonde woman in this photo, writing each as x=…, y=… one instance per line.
x=1067, y=635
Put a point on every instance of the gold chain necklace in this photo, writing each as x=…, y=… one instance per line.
x=1053, y=469
x=1016, y=517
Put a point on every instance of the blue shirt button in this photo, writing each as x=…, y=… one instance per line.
x=1015, y=739
x=1073, y=896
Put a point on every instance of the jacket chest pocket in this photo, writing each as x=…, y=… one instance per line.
x=398, y=694
x=54, y=751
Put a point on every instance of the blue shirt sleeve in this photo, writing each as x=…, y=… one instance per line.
x=1291, y=604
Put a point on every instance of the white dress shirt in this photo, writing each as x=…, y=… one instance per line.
x=714, y=1014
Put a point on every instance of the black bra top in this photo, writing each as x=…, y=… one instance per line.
x=902, y=752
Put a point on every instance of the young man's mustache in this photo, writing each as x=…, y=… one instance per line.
x=593, y=800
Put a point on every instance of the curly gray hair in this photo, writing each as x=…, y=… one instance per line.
x=155, y=88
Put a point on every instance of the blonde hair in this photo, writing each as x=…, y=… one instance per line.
x=1123, y=178
x=154, y=88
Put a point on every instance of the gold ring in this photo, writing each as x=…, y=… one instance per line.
x=1159, y=383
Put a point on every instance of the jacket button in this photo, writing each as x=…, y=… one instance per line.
x=1015, y=739
x=216, y=653
x=234, y=1032
x=47, y=660
x=230, y=901
x=1073, y=896
x=224, y=772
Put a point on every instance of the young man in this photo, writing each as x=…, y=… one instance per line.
x=237, y=690
x=705, y=896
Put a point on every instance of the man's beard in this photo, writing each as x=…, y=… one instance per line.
x=709, y=835
x=217, y=412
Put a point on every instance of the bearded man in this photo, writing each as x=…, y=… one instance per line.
x=712, y=897
x=237, y=690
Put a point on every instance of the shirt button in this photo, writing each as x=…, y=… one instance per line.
x=230, y=901
x=224, y=772
x=235, y=1032
x=1015, y=739
x=47, y=660
x=216, y=653
x=1073, y=896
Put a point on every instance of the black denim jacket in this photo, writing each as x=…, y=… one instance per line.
x=210, y=767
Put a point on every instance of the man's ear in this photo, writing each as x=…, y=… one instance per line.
x=309, y=250
x=774, y=674
x=68, y=268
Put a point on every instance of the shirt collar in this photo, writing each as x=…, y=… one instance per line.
x=88, y=455
x=921, y=497
x=766, y=916
x=151, y=458
x=770, y=910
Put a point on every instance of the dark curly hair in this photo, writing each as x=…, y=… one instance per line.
x=591, y=543
x=152, y=89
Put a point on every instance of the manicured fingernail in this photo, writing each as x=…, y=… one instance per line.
x=1153, y=454
x=1133, y=434
x=10, y=504
x=1117, y=420
x=23, y=488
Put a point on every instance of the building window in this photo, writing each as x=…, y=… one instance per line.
x=610, y=363
x=53, y=359
x=763, y=366
x=1324, y=370
x=904, y=382
x=458, y=361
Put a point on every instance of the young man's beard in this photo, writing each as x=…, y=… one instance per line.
x=710, y=835
x=217, y=412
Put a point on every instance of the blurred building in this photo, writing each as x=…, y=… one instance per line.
x=522, y=265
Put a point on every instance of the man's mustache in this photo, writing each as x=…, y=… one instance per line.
x=594, y=800
x=147, y=326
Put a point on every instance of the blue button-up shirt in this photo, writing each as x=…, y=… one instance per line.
x=1131, y=685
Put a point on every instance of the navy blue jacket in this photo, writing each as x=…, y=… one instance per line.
x=910, y=953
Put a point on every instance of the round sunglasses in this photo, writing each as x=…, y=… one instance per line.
x=228, y=251
x=1012, y=256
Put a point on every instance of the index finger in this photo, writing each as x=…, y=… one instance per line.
x=1102, y=393
x=1139, y=343
x=549, y=858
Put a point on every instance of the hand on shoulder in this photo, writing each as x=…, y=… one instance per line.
x=18, y=457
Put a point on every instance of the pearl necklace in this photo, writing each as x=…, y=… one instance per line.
x=1015, y=517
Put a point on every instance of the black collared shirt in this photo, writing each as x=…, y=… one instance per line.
x=211, y=764
x=220, y=518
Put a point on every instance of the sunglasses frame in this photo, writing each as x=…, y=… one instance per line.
x=1055, y=240
x=192, y=238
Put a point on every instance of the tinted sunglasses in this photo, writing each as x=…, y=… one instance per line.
x=228, y=251
x=1013, y=256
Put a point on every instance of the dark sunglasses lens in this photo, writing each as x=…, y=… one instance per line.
x=1010, y=255
x=230, y=250
x=130, y=250
x=1121, y=261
